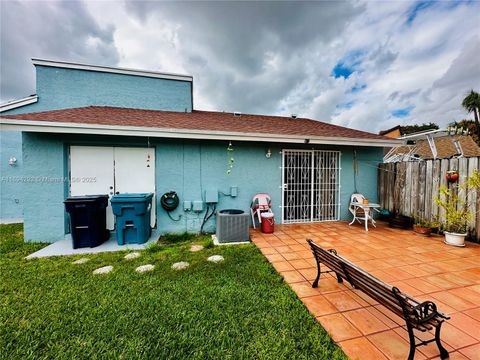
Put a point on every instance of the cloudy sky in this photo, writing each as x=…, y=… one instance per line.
x=367, y=65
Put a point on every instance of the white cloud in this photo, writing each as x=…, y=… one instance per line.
x=277, y=57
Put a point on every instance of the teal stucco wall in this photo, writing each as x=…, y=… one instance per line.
x=185, y=166
x=11, y=207
x=66, y=88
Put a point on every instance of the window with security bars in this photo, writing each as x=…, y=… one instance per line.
x=311, y=186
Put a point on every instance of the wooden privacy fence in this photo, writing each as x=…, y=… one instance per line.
x=411, y=187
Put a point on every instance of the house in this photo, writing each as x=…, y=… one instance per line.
x=393, y=133
x=432, y=145
x=123, y=130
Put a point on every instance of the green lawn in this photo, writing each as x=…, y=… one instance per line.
x=50, y=308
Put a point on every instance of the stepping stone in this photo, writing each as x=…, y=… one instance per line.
x=216, y=258
x=143, y=268
x=195, y=248
x=103, y=270
x=133, y=255
x=180, y=265
x=80, y=261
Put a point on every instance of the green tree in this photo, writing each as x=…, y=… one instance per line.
x=410, y=129
x=467, y=124
x=471, y=103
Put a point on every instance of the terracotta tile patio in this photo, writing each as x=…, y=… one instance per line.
x=425, y=268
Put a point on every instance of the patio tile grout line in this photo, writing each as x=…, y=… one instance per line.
x=369, y=245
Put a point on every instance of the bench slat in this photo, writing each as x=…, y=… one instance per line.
x=377, y=289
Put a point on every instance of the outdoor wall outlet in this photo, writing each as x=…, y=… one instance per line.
x=187, y=205
x=233, y=191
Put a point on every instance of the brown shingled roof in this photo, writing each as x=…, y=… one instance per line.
x=445, y=147
x=195, y=120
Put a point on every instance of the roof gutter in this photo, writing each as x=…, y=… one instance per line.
x=96, y=129
x=18, y=103
x=111, y=69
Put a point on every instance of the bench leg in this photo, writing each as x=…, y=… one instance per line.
x=443, y=351
x=411, y=337
x=339, y=278
x=315, y=282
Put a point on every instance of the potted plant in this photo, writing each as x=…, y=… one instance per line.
x=457, y=212
x=423, y=226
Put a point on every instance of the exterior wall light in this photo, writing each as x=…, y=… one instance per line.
x=268, y=153
x=12, y=161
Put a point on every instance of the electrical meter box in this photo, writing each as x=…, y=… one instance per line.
x=187, y=205
x=197, y=206
x=211, y=196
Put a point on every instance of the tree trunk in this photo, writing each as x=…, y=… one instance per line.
x=477, y=124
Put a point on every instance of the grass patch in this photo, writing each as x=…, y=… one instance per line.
x=241, y=308
x=178, y=238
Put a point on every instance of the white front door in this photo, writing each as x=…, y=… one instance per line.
x=135, y=172
x=96, y=170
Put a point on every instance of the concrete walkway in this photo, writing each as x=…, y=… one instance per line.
x=64, y=247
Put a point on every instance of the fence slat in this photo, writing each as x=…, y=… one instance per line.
x=428, y=189
x=392, y=173
x=435, y=187
x=401, y=175
x=472, y=194
x=413, y=180
x=444, y=167
x=420, y=199
x=410, y=188
x=381, y=185
x=463, y=174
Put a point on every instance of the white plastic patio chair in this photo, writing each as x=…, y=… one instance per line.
x=360, y=214
x=260, y=203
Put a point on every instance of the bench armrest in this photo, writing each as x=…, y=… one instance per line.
x=424, y=312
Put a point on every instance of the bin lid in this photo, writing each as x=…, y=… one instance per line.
x=267, y=215
x=134, y=197
x=85, y=198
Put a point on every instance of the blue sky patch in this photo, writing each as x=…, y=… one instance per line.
x=402, y=112
x=420, y=6
x=357, y=88
x=348, y=64
x=346, y=105
x=341, y=70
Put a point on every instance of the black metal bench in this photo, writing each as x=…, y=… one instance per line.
x=422, y=316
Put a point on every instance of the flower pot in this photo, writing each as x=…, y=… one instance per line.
x=425, y=231
x=454, y=239
x=400, y=222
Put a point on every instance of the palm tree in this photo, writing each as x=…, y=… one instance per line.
x=471, y=103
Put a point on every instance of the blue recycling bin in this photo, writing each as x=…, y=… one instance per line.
x=88, y=220
x=132, y=212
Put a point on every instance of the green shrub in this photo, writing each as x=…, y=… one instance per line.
x=457, y=211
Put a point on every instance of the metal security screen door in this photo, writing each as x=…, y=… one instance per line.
x=311, y=186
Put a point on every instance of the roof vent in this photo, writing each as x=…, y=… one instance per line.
x=237, y=113
x=294, y=116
